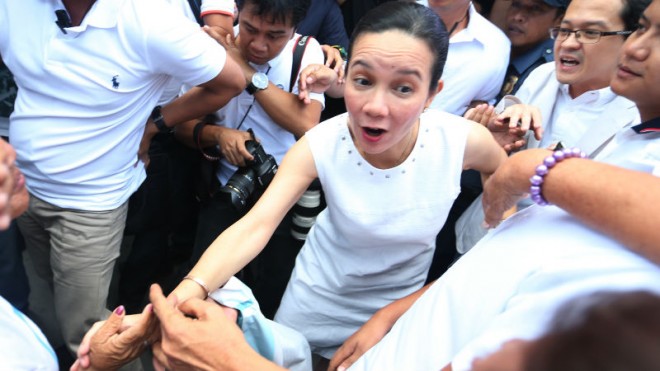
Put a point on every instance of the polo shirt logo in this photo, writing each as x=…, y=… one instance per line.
x=115, y=82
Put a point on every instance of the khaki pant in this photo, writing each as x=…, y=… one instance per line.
x=74, y=252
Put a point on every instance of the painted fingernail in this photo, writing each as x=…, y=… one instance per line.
x=120, y=310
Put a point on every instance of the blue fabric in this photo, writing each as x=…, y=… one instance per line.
x=522, y=65
x=325, y=22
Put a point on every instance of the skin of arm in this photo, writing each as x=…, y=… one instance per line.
x=616, y=201
x=482, y=152
x=240, y=243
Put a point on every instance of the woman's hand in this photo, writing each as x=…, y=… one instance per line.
x=359, y=343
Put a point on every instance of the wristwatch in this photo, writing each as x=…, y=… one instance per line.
x=158, y=119
x=259, y=82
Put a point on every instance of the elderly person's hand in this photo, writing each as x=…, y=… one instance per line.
x=510, y=183
x=13, y=195
x=111, y=344
x=200, y=335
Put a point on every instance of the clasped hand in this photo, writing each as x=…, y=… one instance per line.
x=510, y=127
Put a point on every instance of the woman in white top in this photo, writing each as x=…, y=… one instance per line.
x=390, y=172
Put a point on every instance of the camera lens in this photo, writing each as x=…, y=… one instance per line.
x=239, y=187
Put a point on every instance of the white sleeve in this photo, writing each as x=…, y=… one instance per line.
x=218, y=6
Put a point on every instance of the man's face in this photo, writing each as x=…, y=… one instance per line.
x=589, y=66
x=260, y=37
x=528, y=21
x=638, y=74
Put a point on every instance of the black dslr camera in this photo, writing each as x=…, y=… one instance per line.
x=255, y=175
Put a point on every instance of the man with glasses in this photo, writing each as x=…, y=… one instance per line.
x=567, y=101
x=572, y=95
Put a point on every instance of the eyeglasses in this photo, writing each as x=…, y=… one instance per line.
x=583, y=36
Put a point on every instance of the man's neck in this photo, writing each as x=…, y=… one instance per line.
x=454, y=14
x=77, y=9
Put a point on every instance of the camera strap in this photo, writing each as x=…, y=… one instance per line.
x=298, y=51
x=195, y=6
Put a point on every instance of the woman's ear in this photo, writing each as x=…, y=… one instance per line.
x=441, y=85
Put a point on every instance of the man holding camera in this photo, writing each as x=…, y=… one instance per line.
x=264, y=46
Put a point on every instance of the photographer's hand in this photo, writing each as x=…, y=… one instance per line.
x=232, y=145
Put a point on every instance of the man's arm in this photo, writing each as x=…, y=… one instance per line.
x=284, y=108
x=618, y=202
x=197, y=102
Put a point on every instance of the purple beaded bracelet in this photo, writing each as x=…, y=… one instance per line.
x=535, y=191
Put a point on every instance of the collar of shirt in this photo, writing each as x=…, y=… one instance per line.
x=593, y=97
x=102, y=14
x=541, y=51
x=472, y=30
x=651, y=126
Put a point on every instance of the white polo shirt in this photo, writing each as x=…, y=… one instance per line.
x=476, y=64
x=85, y=96
x=275, y=139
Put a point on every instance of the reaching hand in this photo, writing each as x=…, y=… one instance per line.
x=359, y=343
x=315, y=78
x=196, y=335
x=110, y=344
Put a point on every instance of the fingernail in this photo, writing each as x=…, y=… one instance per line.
x=120, y=310
x=341, y=368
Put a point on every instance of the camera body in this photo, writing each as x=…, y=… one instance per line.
x=255, y=175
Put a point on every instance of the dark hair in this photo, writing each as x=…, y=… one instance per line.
x=283, y=11
x=414, y=19
x=607, y=331
x=632, y=11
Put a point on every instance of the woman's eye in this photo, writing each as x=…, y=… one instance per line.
x=361, y=81
x=404, y=89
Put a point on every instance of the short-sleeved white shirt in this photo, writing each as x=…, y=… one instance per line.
x=85, y=96
x=275, y=139
x=477, y=60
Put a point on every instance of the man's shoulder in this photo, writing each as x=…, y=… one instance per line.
x=487, y=33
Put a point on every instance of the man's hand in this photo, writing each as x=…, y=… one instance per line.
x=150, y=130
x=510, y=183
x=109, y=345
x=359, y=343
x=510, y=136
x=196, y=335
x=334, y=61
x=316, y=78
x=232, y=145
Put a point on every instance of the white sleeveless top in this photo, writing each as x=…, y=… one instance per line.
x=374, y=242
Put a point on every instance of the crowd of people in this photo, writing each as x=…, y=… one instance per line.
x=485, y=201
